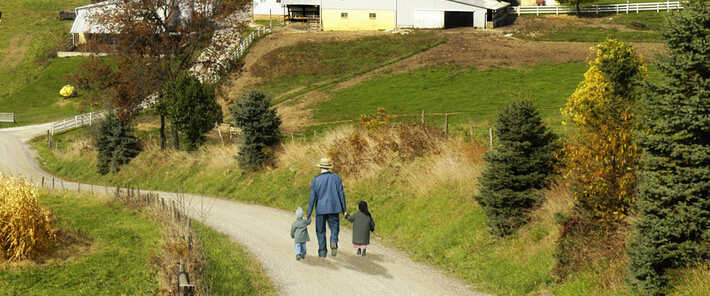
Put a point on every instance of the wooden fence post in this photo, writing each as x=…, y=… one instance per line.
x=42, y=181
x=446, y=124
x=52, y=183
x=422, y=115
x=78, y=187
x=62, y=180
x=470, y=130
x=117, y=191
x=490, y=137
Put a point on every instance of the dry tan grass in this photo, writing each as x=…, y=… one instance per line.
x=25, y=228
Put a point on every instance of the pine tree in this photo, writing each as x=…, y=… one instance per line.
x=673, y=229
x=518, y=169
x=115, y=143
x=192, y=108
x=260, y=129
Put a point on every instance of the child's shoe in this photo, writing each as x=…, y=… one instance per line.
x=359, y=251
x=298, y=257
x=363, y=252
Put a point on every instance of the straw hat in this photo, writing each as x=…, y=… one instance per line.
x=325, y=163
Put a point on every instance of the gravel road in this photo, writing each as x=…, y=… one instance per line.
x=265, y=232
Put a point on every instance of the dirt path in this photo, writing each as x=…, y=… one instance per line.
x=265, y=232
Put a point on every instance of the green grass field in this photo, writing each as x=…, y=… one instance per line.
x=30, y=35
x=313, y=64
x=576, y=32
x=110, y=257
x=230, y=269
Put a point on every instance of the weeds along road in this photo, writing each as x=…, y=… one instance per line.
x=265, y=232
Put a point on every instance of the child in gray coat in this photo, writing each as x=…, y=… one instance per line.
x=363, y=224
x=299, y=232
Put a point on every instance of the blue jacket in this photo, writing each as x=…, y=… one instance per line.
x=326, y=194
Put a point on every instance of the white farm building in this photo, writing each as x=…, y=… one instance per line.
x=388, y=14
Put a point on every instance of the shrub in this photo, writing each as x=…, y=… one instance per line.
x=673, y=229
x=25, y=228
x=378, y=141
x=115, y=143
x=260, y=127
x=518, y=169
x=192, y=108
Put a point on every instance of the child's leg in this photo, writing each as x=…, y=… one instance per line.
x=297, y=246
x=303, y=249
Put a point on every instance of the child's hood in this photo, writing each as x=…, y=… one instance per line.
x=299, y=213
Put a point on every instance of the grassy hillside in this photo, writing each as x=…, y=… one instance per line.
x=425, y=199
x=103, y=251
x=30, y=35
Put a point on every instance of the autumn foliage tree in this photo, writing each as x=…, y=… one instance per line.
x=600, y=158
x=673, y=228
x=148, y=43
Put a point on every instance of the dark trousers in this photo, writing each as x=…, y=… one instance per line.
x=334, y=225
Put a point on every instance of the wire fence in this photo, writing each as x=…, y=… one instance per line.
x=604, y=8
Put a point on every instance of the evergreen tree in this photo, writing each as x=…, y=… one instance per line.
x=518, y=169
x=260, y=129
x=673, y=229
x=192, y=108
x=115, y=143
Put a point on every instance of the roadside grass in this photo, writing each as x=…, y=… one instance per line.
x=427, y=200
x=38, y=101
x=230, y=269
x=308, y=64
x=29, y=37
x=107, y=252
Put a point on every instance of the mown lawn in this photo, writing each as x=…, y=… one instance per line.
x=109, y=254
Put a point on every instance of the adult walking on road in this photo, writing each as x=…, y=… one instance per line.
x=328, y=198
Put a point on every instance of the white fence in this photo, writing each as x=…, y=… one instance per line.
x=605, y=8
x=7, y=117
x=246, y=42
x=76, y=121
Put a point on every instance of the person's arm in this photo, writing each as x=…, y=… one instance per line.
x=372, y=224
x=341, y=195
x=349, y=217
x=308, y=221
x=311, y=199
x=293, y=231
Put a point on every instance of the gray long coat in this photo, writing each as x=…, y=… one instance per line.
x=362, y=225
x=299, y=230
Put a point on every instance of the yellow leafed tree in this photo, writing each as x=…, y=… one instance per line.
x=601, y=156
x=25, y=228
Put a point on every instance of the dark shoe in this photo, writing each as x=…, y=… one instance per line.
x=333, y=249
x=363, y=252
x=298, y=257
x=359, y=251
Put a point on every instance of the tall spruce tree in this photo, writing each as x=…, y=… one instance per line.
x=673, y=229
x=115, y=143
x=517, y=169
x=260, y=126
